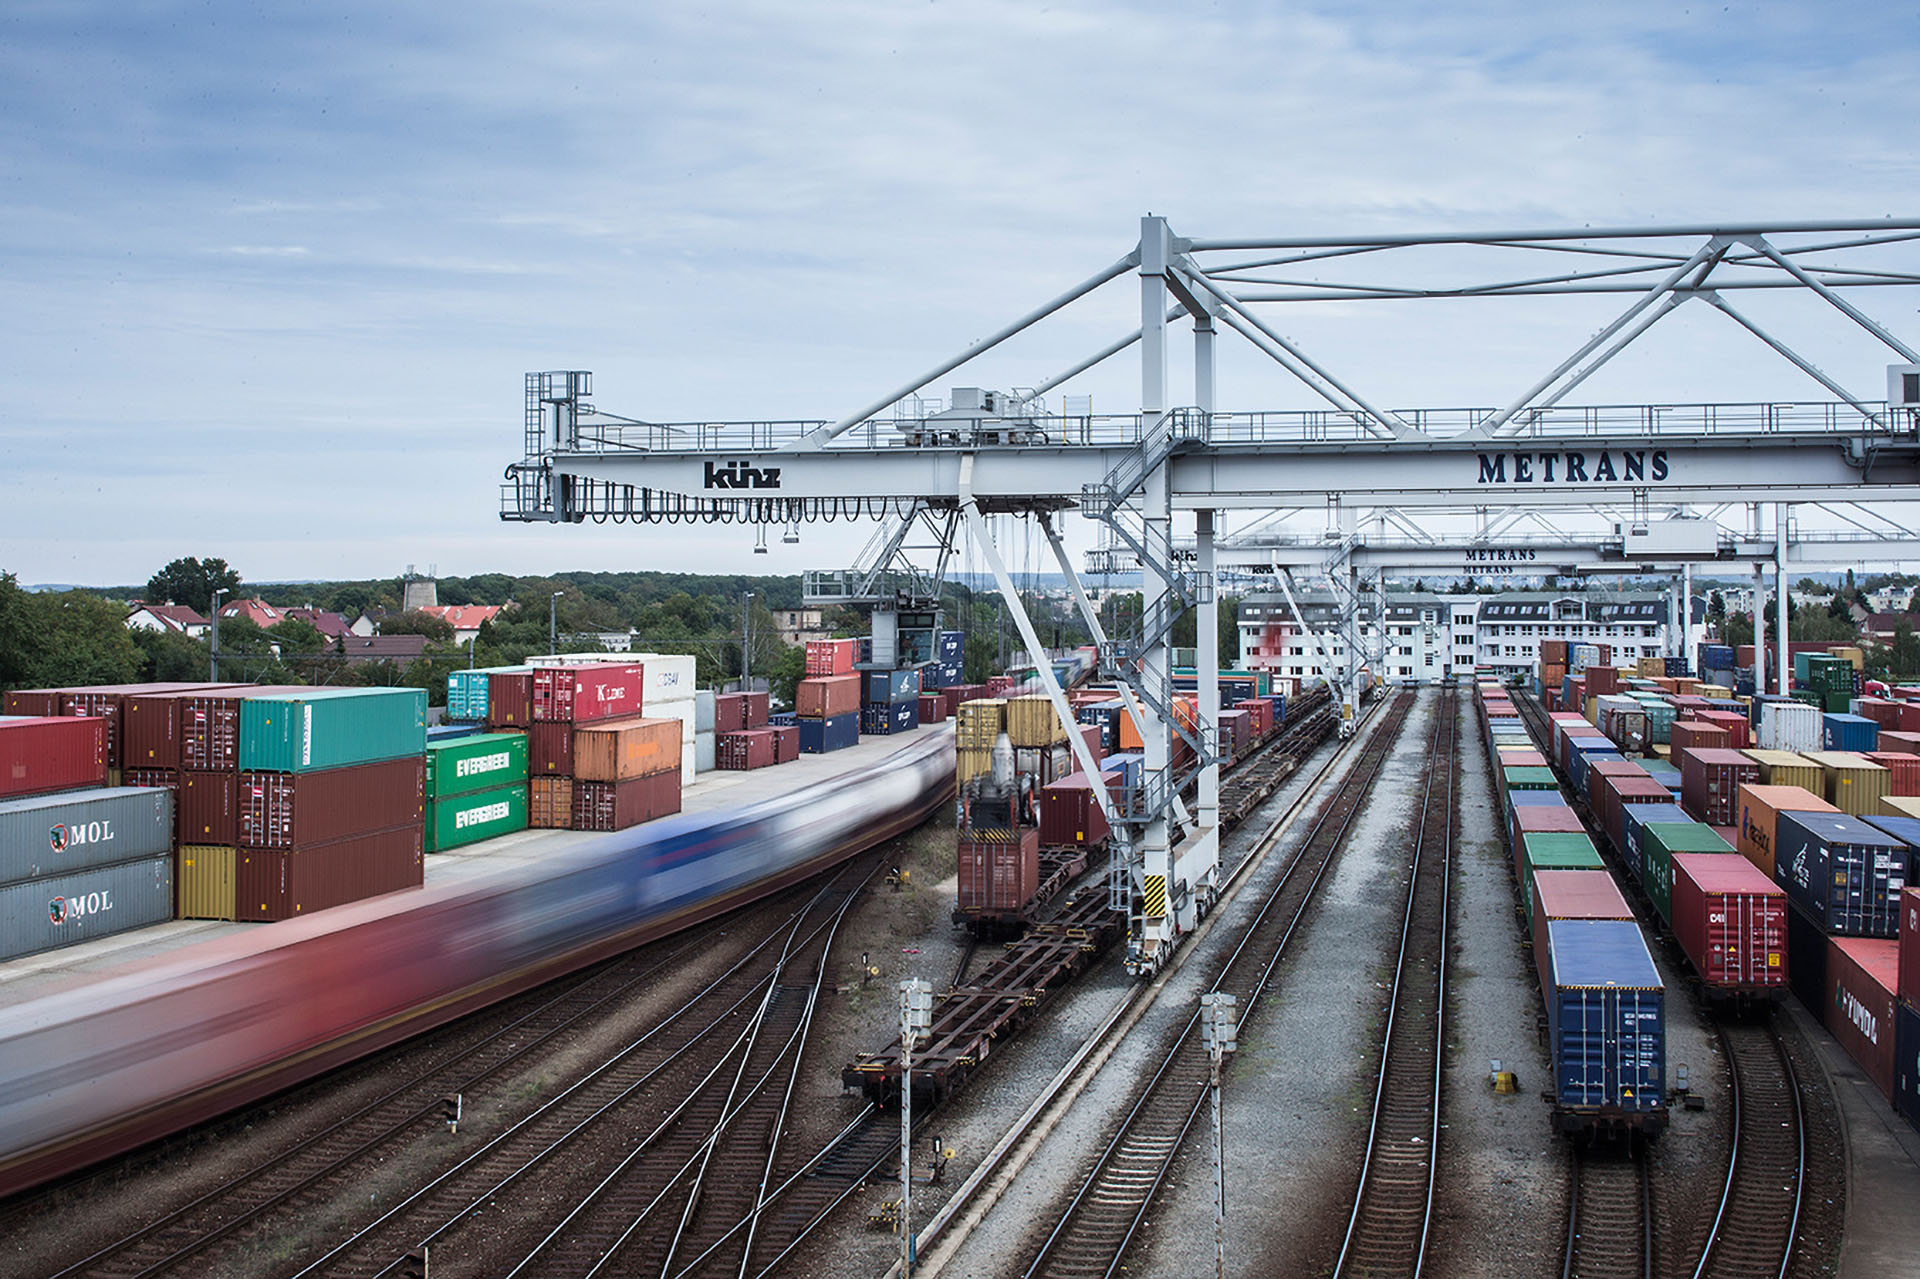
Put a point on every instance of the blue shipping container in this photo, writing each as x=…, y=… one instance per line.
x=1606, y=1018
x=782, y=719
x=1663, y=772
x=880, y=718
x=1849, y=733
x=1845, y=874
x=901, y=685
x=1904, y=829
x=1633, y=817
x=866, y=649
x=949, y=647
x=467, y=692
x=1128, y=764
x=818, y=736
x=1906, y=1062
x=1676, y=667
x=452, y=732
x=1583, y=762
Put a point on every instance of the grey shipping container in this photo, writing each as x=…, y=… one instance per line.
x=63, y=910
x=60, y=834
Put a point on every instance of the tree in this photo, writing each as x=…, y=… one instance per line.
x=1738, y=629
x=1902, y=656
x=787, y=671
x=295, y=636
x=72, y=637
x=437, y=629
x=192, y=582
x=169, y=657
x=1716, y=608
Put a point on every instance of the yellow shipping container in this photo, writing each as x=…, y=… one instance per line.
x=1784, y=768
x=1031, y=721
x=206, y=881
x=1855, y=784
x=980, y=721
x=1899, y=806
x=972, y=762
x=1719, y=692
x=1853, y=655
x=1650, y=667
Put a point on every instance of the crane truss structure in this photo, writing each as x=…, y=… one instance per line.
x=1005, y=453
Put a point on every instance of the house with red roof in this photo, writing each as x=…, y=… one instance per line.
x=259, y=612
x=175, y=619
x=465, y=619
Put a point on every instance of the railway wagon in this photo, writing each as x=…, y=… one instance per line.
x=147, y=1050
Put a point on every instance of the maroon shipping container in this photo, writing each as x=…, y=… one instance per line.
x=550, y=803
x=831, y=657
x=759, y=708
x=549, y=749
x=744, y=749
x=509, y=699
x=1863, y=974
x=210, y=726
x=823, y=698
x=1739, y=732
x=1070, y=814
x=286, y=884
x=1570, y=894
x=1695, y=734
x=999, y=870
x=1095, y=740
x=933, y=709
x=36, y=703
x=207, y=808
x=298, y=810
x=165, y=778
x=1529, y=818
x=1910, y=945
x=1731, y=920
x=786, y=744
x=1903, y=771
x=1710, y=781
x=108, y=701
x=1902, y=743
x=585, y=694
x=1883, y=711
x=51, y=752
x=730, y=712
x=150, y=729
x=618, y=805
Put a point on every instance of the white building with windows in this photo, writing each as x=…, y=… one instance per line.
x=1430, y=637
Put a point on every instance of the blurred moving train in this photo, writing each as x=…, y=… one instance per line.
x=140, y=1053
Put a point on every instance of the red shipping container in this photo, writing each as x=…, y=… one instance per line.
x=999, y=870
x=207, y=808
x=107, y=702
x=955, y=694
x=1631, y=790
x=1602, y=798
x=1731, y=921
x=1863, y=976
x=1910, y=945
x=745, y=749
x=509, y=699
x=586, y=694
x=1530, y=818
x=759, y=708
x=550, y=803
x=1901, y=743
x=1903, y=771
x=1095, y=740
x=1695, y=734
x=730, y=712
x=277, y=884
x=50, y=753
x=1739, y=732
x=34, y=703
x=298, y=810
x=549, y=749
x=1522, y=759
x=831, y=657
x=820, y=698
x=618, y=805
x=1710, y=782
x=1262, y=712
x=210, y=726
x=933, y=708
x=1602, y=680
x=1883, y=711
x=1070, y=814
x=1910, y=717
x=1570, y=894
x=150, y=727
x=786, y=744
x=998, y=684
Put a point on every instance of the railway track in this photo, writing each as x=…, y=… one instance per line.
x=1758, y=1220
x=1390, y=1225
x=1105, y=1215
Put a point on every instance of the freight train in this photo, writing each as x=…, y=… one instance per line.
x=146, y=1050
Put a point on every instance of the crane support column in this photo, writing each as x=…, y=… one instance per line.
x=1759, y=629
x=1159, y=887
x=1783, y=606
x=1207, y=631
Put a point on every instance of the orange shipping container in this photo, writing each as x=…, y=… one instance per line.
x=1183, y=712
x=550, y=803
x=1760, y=809
x=626, y=748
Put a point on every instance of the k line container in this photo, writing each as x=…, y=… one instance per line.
x=480, y=762
x=617, y=750
x=331, y=728
x=1845, y=874
x=288, y=883
x=299, y=810
x=79, y=905
x=1731, y=921
x=1862, y=974
x=585, y=694
x=999, y=869
x=473, y=816
x=1606, y=1018
x=208, y=805
x=48, y=835
x=618, y=805
x=204, y=881
x=51, y=753
x=1760, y=809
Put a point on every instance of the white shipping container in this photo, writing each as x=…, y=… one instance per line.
x=703, y=748
x=1583, y=656
x=1790, y=726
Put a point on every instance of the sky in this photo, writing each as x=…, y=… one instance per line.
x=271, y=275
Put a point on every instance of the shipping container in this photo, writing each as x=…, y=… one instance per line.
x=999, y=869
x=1731, y=921
x=881, y=718
x=1691, y=734
x=830, y=657
x=933, y=709
x=1553, y=850
x=1845, y=874
x=331, y=728
x=1570, y=894
x=1848, y=733
x=1606, y=1021
x=1904, y=743
x=1906, y=1062
x=300, y=810
x=1903, y=772
x=80, y=905
x=209, y=725
x=786, y=743
x=618, y=805
x=1710, y=781
x=1538, y=817
x=549, y=749
x=1910, y=945
x=550, y=803
x=730, y=713
x=1070, y=813
x=104, y=702
x=151, y=725
x=758, y=706
x=742, y=750
x=204, y=881
x=1806, y=959
x=1031, y=721
x=890, y=685
x=1760, y=809
x=1899, y=806
x=617, y=750
x=479, y=762
x=1852, y=783
x=208, y=808
x=825, y=698
x=510, y=698
x=1634, y=818
x=288, y=883
x=1862, y=974
x=587, y=694
x=818, y=736
x=46, y=835
x=40, y=753
x=1789, y=726
x=468, y=692
x=473, y=816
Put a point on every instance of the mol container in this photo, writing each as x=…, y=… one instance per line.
x=51, y=753
x=480, y=762
x=1759, y=817
x=81, y=904
x=1732, y=923
x=1845, y=874
x=288, y=883
x=1710, y=781
x=1606, y=1025
x=47, y=835
x=299, y=810
x=999, y=869
x=618, y=805
x=331, y=728
x=1862, y=976
x=472, y=816
x=584, y=694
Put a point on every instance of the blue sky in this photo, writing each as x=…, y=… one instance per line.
x=270, y=274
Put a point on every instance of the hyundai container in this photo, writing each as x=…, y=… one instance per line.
x=618, y=805
x=299, y=810
x=472, y=816
x=288, y=883
x=51, y=753
x=818, y=736
x=479, y=762
x=331, y=728
x=586, y=694
x=80, y=905
x=1606, y=1025
x=45, y=835
x=620, y=749
x=1862, y=976
x=1731, y=921
x=1845, y=874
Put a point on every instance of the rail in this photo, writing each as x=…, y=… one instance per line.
x=1757, y=1222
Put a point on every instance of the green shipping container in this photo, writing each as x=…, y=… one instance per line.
x=468, y=819
x=1531, y=777
x=1659, y=841
x=1556, y=850
x=480, y=762
x=331, y=728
